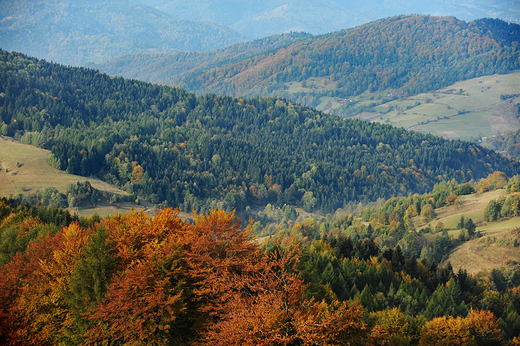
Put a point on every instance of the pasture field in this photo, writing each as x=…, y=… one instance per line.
x=24, y=169
x=470, y=109
x=494, y=249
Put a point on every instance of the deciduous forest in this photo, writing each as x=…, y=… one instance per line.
x=140, y=280
x=379, y=275
x=405, y=55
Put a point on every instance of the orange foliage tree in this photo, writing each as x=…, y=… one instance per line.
x=478, y=328
x=171, y=278
x=271, y=309
x=21, y=281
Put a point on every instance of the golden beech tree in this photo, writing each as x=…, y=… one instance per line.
x=171, y=277
x=478, y=328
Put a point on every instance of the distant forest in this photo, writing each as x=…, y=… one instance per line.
x=171, y=147
x=405, y=55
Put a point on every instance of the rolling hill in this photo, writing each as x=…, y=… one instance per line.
x=165, y=68
x=169, y=146
x=404, y=55
x=476, y=109
x=74, y=33
x=371, y=68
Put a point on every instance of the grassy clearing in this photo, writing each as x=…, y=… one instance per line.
x=24, y=169
x=470, y=109
x=494, y=249
x=486, y=253
x=470, y=206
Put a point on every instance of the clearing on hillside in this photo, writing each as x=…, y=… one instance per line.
x=471, y=109
x=24, y=169
x=494, y=249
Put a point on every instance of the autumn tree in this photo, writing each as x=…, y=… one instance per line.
x=479, y=328
x=428, y=213
x=272, y=309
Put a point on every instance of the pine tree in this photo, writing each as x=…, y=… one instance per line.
x=510, y=322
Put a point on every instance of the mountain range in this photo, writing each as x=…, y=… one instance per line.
x=77, y=32
x=171, y=147
x=399, y=56
x=261, y=18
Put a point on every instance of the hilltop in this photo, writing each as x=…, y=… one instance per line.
x=346, y=72
x=165, y=68
x=260, y=18
x=405, y=55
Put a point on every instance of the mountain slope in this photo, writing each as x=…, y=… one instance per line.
x=73, y=32
x=260, y=18
x=165, y=68
x=404, y=55
x=167, y=145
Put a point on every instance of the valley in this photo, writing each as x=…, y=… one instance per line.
x=291, y=190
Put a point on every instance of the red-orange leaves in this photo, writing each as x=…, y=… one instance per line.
x=171, y=278
x=21, y=281
x=217, y=250
x=144, y=302
x=140, y=280
x=271, y=309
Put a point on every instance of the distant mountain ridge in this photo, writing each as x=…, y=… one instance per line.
x=261, y=18
x=404, y=54
x=166, y=68
x=76, y=32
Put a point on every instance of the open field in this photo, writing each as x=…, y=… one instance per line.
x=494, y=249
x=471, y=206
x=471, y=109
x=24, y=169
x=467, y=109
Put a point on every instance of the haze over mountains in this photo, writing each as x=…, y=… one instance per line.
x=261, y=18
x=76, y=32
x=402, y=56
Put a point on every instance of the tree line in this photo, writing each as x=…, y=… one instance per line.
x=405, y=55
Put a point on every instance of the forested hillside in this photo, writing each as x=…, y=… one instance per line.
x=77, y=32
x=507, y=143
x=169, y=146
x=165, y=68
x=403, y=55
